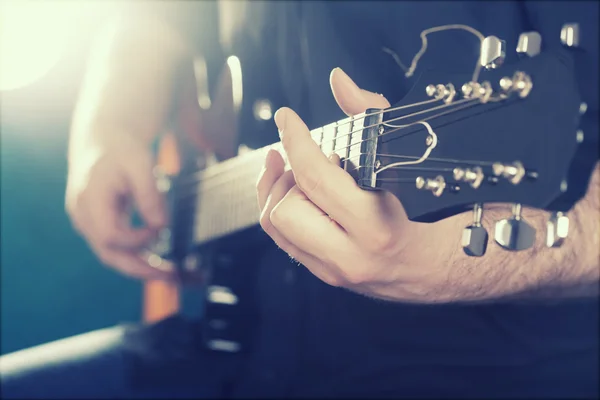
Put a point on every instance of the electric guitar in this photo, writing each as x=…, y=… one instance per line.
x=535, y=147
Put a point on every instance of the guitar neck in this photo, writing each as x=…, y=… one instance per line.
x=224, y=195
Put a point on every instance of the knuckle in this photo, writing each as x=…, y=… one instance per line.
x=356, y=277
x=381, y=239
x=332, y=280
x=265, y=223
x=308, y=181
x=280, y=215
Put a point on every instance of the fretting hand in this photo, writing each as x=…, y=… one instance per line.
x=363, y=240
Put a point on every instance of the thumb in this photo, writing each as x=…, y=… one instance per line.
x=352, y=99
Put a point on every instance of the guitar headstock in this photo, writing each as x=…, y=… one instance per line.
x=512, y=136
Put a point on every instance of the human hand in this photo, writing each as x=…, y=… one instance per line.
x=344, y=235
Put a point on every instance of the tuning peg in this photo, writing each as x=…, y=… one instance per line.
x=493, y=52
x=436, y=186
x=475, y=237
x=529, y=44
x=513, y=172
x=513, y=233
x=473, y=177
x=569, y=35
x=557, y=229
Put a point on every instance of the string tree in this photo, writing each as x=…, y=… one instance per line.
x=514, y=233
x=557, y=229
x=475, y=237
x=493, y=52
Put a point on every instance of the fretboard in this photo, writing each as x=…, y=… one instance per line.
x=225, y=193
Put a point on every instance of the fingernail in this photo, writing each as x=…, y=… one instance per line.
x=280, y=120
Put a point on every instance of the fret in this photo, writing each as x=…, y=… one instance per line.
x=317, y=136
x=344, y=135
x=335, y=134
x=328, y=138
x=355, y=140
x=226, y=193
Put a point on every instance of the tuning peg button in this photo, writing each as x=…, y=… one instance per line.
x=513, y=233
x=569, y=35
x=493, y=52
x=557, y=229
x=475, y=237
x=529, y=44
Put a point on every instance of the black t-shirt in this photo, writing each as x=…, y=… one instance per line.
x=317, y=340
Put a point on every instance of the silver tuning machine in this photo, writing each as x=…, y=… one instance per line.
x=529, y=44
x=473, y=176
x=514, y=172
x=514, y=233
x=493, y=52
x=435, y=186
x=475, y=237
x=557, y=229
x=569, y=35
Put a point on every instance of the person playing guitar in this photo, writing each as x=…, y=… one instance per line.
x=378, y=299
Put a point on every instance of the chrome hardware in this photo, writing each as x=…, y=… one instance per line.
x=520, y=83
x=579, y=136
x=436, y=186
x=192, y=262
x=569, y=35
x=381, y=129
x=513, y=172
x=513, y=233
x=530, y=44
x=582, y=108
x=451, y=93
x=506, y=84
x=564, y=185
x=557, y=229
x=429, y=140
x=493, y=52
x=476, y=90
x=262, y=110
x=473, y=177
x=475, y=237
x=430, y=90
x=441, y=92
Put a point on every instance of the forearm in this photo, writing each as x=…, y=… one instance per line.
x=131, y=71
x=572, y=270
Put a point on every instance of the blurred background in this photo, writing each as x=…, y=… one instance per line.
x=51, y=284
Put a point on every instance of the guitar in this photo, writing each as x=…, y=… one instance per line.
x=535, y=147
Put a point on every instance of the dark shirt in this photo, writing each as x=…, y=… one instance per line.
x=317, y=340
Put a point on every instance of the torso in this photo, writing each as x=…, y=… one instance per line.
x=328, y=341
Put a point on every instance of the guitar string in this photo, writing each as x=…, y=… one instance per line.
x=411, y=70
x=202, y=172
x=453, y=161
x=194, y=176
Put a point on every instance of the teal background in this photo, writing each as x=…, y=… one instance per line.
x=51, y=284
